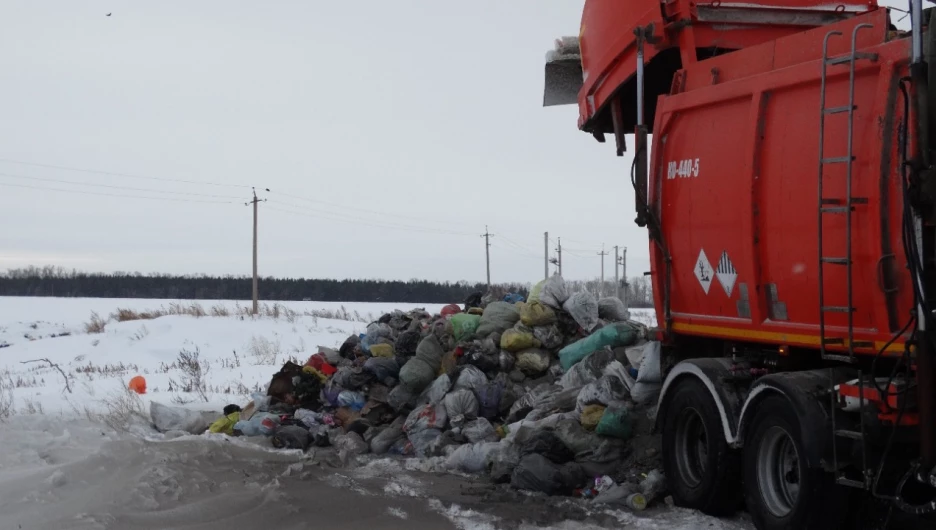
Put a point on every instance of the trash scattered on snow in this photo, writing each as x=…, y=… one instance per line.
x=544, y=394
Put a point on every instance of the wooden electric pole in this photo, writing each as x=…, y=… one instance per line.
x=256, y=291
x=617, y=279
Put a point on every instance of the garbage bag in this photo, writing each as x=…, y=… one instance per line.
x=403, y=447
x=591, y=416
x=422, y=440
x=351, y=377
x=264, y=424
x=537, y=314
x=435, y=393
x=382, y=350
x=225, y=424
x=498, y=317
x=401, y=397
x=426, y=417
x=615, y=422
x=612, y=309
x=514, y=340
x=598, y=455
x=645, y=393
x=352, y=400
x=545, y=442
x=533, y=361
x=613, y=335
x=350, y=444
x=382, y=442
x=419, y=371
x=552, y=291
x=634, y=354
x=260, y=401
x=536, y=473
x=407, y=343
x=617, y=369
x=536, y=396
x=470, y=377
x=382, y=368
x=513, y=298
x=507, y=361
x=291, y=437
x=471, y=458
x=450, y=310
x=461, y=406
x=605, y=391
x=486, y=362
x=490, y=399
x=583, y=307
x=479, y=430
x=590, y=369
x=549, y=336
x=167, y=418
x=573, y=476
x=650, y=364
x=502, y=461
x=464, y=326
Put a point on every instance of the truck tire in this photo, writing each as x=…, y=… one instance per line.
x=781, y=489
x=703, y=472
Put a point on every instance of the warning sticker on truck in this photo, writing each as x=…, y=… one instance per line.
x=727, y=274
x=704, y=272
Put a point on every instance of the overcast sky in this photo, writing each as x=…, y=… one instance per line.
x=390, y=134
x=396, y=115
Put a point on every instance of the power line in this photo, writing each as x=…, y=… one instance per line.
x=115, y=174
x=355, y=208
x=374, y=223
x=150, y=190
x=102, y=194
x=332, y=217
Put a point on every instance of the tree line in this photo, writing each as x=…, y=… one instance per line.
x=57, y=281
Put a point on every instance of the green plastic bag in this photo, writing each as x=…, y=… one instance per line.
x=614, y=335
x=465, y=325
x=615, y=423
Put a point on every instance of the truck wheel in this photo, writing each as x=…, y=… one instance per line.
x=703, y=472
x=782, y=490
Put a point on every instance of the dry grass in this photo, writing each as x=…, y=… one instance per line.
x=275, y=311
x=6, y=397
x=96, y=325
x=264, y=350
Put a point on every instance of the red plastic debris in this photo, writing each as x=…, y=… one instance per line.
x=318, y=362
x=450, y=310
x=138, y=384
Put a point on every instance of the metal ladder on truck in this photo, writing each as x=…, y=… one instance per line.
x=841, y=206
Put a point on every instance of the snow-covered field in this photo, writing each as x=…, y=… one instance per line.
x=76, y=455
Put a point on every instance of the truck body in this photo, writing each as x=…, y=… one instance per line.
x=787, y=193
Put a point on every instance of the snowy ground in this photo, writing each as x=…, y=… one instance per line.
x=83, y=459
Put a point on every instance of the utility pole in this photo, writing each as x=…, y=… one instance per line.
x=602, y=254
x=256, y=292
x=617, y=279
x=546, y=254
x=624, y=276
x=487, y=253
x=559, y=250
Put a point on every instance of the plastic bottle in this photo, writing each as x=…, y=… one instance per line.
x=652, y=485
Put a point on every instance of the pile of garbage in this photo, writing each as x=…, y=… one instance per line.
x=545, y=394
